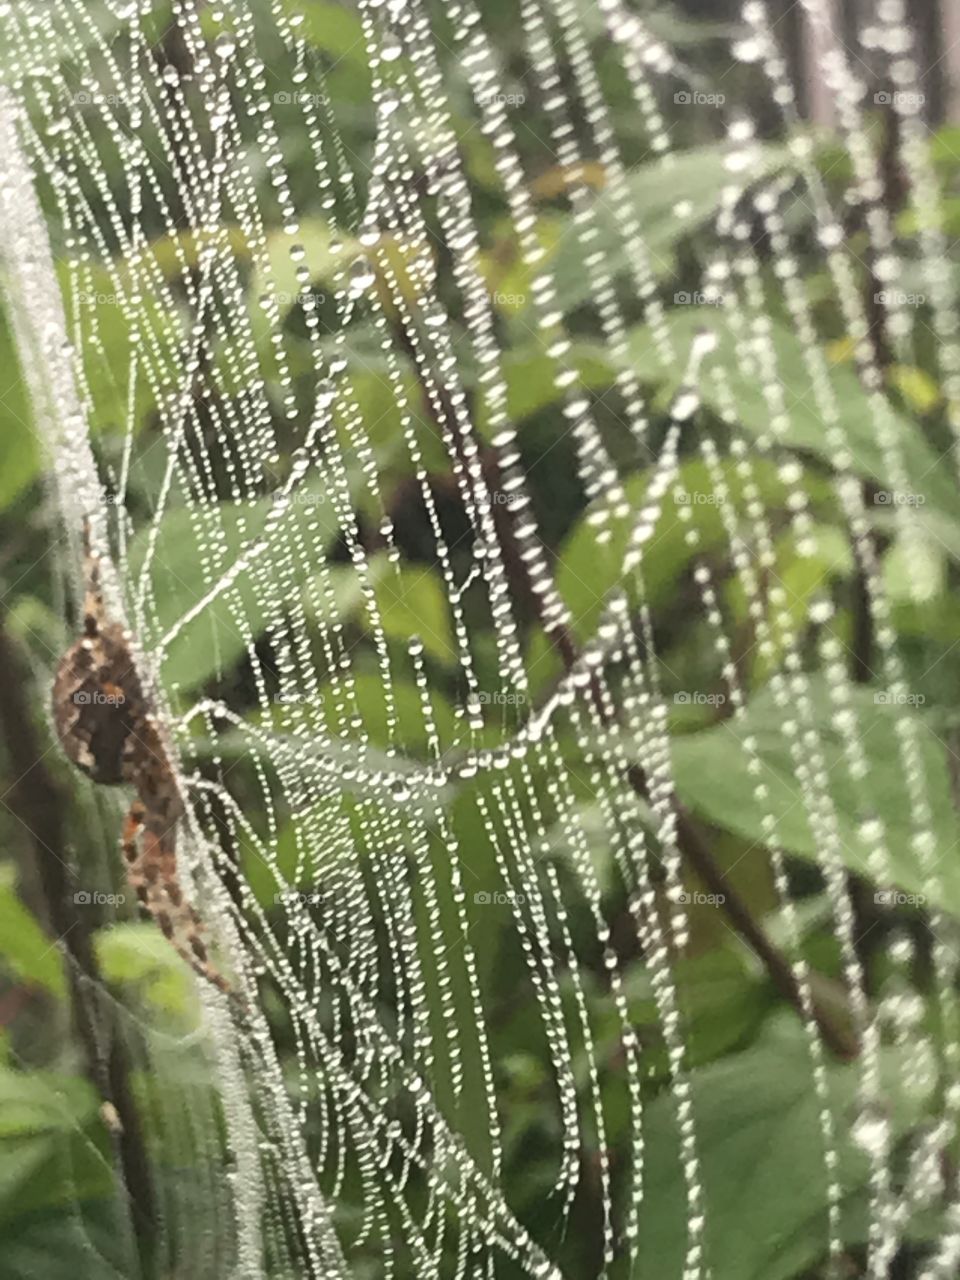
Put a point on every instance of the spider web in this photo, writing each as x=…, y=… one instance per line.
x=243, y=340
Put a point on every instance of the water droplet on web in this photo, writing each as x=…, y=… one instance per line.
x=225, y=45
x=871, y=1132
x=749, y=50
x=362, y=276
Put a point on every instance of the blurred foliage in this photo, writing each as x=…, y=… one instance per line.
x=757, y=1119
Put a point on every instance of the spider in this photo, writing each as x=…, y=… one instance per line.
x=107, y=727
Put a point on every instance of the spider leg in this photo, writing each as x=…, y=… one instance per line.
x=130, y=848
x=93, y=607
x=152, y=871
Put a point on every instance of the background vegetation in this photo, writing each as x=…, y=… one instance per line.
x=757, y=1116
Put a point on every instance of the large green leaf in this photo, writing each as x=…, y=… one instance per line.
x=588, y=572
x=764, y=1181
x=44, y=1160
x=56, y=1181
x=671, y=197
x=803, y=426
x=711, y=771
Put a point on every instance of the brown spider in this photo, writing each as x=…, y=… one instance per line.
x=107, y=728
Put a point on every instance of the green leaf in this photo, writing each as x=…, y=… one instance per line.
x=764, y=1181
x=916, y=386
x=712, y=777
x=44, y=1159
x=721, y=1001
x=588, y=572
x=529, y=375
x=111, y=350
x=671, y=198
x=732, y=363
x=333, y=28
x=24, y=947
x=19, y=447
x=805, y=579
x=412, y=602
x=135, y=953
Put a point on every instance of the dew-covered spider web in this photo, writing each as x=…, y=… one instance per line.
x=504, y=427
